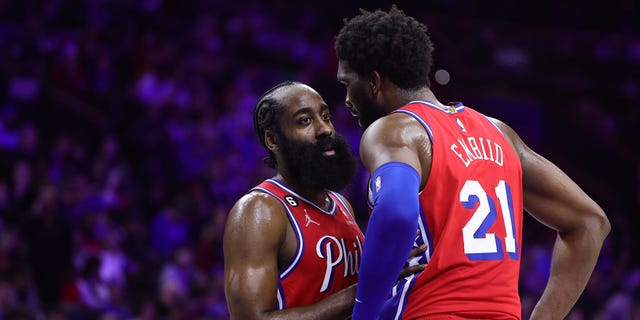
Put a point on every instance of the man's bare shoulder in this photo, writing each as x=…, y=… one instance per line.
x=396, y=137
x=394, y=127
x=257, y=204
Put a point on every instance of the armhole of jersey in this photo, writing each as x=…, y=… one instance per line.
x=419, y=119
x=495, y=125
x=503, y=134
x=427, y=128
x=296, y=229
x=281, y=301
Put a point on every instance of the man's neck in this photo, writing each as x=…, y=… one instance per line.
x=319, y=198
x=404, y=96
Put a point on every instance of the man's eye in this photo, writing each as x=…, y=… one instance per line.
x=326, y=116
x=305, y=120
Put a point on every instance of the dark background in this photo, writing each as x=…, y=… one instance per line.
x=126, y=135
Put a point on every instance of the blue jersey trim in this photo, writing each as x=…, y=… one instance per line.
x=450, y=109
x=419, y=119
x=296, y=228
x=395, y=306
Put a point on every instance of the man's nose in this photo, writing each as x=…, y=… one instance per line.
x=324, y=128
x=347, y=102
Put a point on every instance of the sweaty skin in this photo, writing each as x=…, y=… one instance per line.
x=384, y=62
x=259, y=239
x=555, y=200
x=550, y=196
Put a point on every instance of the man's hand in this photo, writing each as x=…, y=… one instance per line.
x=417, y=268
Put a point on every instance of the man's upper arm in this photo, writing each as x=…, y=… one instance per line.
x=549, y=194
x=391, y=139
x=254, y=232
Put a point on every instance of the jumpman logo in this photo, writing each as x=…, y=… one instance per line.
x=306, y=215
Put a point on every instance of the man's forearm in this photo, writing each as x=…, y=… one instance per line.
x=337, y=306
x=573, y=260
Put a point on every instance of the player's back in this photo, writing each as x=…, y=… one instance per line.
x=471, y=219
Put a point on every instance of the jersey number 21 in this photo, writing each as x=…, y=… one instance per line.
x=478, y=243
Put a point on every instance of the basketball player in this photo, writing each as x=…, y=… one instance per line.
x=458, y=177
x=291, y=245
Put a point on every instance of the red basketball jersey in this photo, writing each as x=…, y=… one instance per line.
x=329, y=247
x=471, y=220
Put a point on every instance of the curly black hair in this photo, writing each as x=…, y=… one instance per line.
x=266, y=114
x=391, y=43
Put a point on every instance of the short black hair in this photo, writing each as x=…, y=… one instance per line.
x=266, y=114
x=391, y=43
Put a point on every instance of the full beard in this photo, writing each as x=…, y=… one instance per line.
x=315, y=171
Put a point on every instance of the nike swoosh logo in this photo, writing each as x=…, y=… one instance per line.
x=358, y=300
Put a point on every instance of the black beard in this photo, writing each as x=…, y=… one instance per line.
x=314, y=171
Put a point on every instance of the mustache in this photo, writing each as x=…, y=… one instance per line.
x=314, y=170
x=325, y=142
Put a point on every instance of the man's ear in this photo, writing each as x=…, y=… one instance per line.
x=375, y=82
x=270, y=140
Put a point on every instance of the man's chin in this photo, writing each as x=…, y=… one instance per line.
x=363, y=126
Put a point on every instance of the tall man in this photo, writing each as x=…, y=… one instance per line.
x=458, y=177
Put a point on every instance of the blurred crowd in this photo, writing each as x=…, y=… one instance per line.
x=126, y=136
